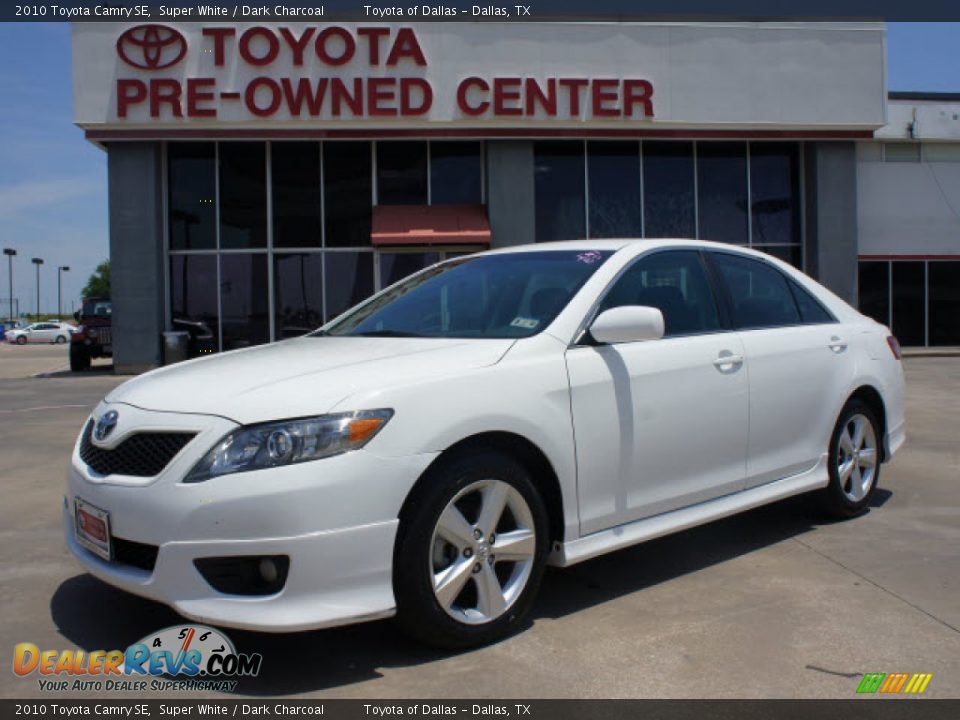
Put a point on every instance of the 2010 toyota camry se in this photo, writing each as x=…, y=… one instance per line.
x=428, y=452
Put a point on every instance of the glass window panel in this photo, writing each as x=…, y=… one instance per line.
x=243, y=195
x=613, y=170
x=874, y=290
x=298, y=293
x=348, y=280
x=760, y=294
x=901, y=152
x=908, y=301
x=775, y=193
x=722, y=191
x=811, y=311
x=295, y=183
x=191, y=173
x=559, y=190
x=347, y=187
x=792, y=254
x=402, y=173
x=674, y=282
x=243, y=299
x=396, y=266
x=941, y=152
x=668, y=189
x=944, y=278
x=455, y=174
x=193, y=300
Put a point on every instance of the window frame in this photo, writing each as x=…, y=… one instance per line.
x=789, y=281
x=582, y=337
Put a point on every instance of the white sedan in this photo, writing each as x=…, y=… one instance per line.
x=41, y=332
x=427, y=453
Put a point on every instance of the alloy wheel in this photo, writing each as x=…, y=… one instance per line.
x=857, y=457
x=482, y=552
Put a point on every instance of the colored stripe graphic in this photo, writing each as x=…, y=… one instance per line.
x=871, y=682
x=893, y=683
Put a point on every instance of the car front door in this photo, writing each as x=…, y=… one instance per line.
x=797, y=363
x=659, y=424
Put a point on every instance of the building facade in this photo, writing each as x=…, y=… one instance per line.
x=262, y=179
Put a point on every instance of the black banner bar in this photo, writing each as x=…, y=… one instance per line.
x=306, y=709
x=507, y=11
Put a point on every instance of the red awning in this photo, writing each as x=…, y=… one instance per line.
x=430, y=225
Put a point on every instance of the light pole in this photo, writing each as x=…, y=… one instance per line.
x=38, y=262
x=10, y=252
x=61, y=269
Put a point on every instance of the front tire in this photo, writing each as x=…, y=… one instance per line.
x=470, y=552
x=21, y=340
x=79, y=359
x=853, y=461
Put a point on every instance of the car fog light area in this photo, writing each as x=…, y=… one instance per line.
x=245, y=575
x=256, y=447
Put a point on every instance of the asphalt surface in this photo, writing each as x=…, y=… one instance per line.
x=772, y=603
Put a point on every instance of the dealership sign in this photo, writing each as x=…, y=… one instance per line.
x=397, y=50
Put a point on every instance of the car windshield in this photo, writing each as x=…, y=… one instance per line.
x=97, y=308
x=510, y=295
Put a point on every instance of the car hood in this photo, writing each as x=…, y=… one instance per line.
x=300, y=377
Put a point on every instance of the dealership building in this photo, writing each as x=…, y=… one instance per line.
x=264, y=178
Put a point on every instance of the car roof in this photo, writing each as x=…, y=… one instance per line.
x=615, y=244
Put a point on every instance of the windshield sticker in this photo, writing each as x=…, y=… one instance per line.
x=523, y=322
x=589, y=257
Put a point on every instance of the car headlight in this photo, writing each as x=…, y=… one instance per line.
x=285, y=442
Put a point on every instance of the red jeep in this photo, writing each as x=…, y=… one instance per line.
x=93, y=338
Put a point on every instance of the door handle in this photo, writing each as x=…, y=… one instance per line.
x=727, y=360
x=837, y=345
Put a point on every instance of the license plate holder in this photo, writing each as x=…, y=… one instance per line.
x=92, y=528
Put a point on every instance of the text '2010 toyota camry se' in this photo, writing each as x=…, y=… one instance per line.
x=428, y=452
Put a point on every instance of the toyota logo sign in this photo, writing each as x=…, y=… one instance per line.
x=151, y=47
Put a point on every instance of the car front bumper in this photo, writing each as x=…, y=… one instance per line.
x=335, y=519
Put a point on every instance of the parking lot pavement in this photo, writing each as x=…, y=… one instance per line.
x=23, y=361
x=772, y=603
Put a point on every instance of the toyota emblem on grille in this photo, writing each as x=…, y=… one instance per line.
x=105, y=425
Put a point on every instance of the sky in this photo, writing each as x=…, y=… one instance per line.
x=53, y=183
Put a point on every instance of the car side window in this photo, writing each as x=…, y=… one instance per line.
x=676, y=283
x=759, y=292
x=811, y=311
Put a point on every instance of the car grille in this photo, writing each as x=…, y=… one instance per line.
x=141, y=455
x=104, y=335
x=138, y=555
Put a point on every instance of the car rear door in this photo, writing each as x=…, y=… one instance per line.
x=797, y=362
x=659, y=424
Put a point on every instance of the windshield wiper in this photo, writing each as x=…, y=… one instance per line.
x=386, y=333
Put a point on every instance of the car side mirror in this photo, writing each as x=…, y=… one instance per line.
x=627, y=323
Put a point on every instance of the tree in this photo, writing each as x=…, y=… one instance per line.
x=99, y=283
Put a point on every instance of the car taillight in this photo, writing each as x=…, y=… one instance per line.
x=894, y=346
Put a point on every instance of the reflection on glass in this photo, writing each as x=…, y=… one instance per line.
x=559, y=190
x=613, y=170
x=243, y=299
x=722, y=191
x=908, y=300
x=193, y=300
x=402, y=173
x=295, y=184
x=668, y=189
x=874, y=284
x=455, y=174
x=792, y=254
x=347, y=187
x=243, y=195
x=944, y=277
x=191, y=172
x=396, y=266
x=775, y=192
x=298, y=293
x=348, y=279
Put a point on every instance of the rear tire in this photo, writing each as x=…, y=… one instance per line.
x=79, y=359
x=453, y=591
x=853, y=462
x=61, y=339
